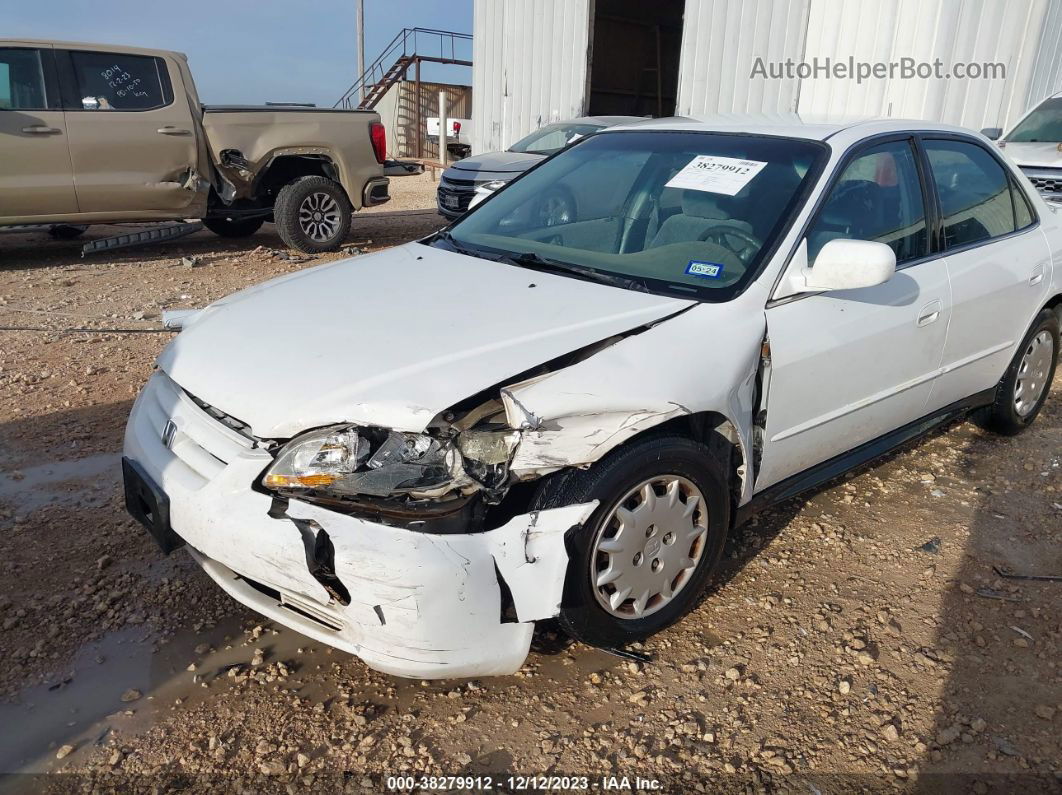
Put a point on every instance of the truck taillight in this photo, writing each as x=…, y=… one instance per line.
x=378, y=136
x=457, y=127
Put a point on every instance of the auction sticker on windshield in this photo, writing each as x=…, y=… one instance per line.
x=726, y=175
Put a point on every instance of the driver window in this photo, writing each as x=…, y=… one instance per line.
x=879, y=198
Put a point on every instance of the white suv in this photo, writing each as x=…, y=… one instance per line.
x=1035, y=145
x=415, y=455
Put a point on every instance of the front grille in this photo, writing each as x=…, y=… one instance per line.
x=202, y=437
x=456, y=189
x=239, y=426
x=1047, y=184
x=470, y=184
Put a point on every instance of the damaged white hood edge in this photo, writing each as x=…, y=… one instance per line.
x=390, y=339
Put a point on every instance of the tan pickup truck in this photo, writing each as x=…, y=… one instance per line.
x=94, y=133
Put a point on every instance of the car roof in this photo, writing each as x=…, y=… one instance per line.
x=792, y=125
x=606, y=121
x=83, y=45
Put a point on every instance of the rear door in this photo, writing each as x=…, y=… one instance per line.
x=36, y=178
x=999, y=264
x=849, y=366
x=132, y=135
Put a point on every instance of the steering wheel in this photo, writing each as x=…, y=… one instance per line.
x=737, y=241
x=855, y=199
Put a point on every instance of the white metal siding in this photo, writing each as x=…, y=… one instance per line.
x=529, y=67
x=721, y=40
x=531, y=59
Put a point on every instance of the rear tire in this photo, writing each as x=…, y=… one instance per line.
x=312, y=214
x=597, y=613
x=1025, y=386
x=233, y=227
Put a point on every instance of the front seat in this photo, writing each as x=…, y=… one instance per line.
x=701, y=211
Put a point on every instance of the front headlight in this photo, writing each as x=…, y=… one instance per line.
x=347, y=461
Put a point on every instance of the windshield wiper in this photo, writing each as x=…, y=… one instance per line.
x=538, y=262
x=460, y=248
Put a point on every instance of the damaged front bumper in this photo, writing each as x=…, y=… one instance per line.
x=408, y=603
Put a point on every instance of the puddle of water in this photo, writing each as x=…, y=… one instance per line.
x=62, y=482
x=87, y=709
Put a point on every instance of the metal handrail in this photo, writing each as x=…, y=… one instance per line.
x=407, y=44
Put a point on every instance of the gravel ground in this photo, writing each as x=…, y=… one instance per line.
x=858, y=639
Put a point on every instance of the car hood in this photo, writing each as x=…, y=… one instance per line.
x=1031, y=155
x=515, y=162
x=390, y=339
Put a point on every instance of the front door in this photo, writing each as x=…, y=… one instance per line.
x=132, y=135
x=36, y=178
x=851, y=365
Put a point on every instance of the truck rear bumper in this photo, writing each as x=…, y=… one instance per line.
x=376, y=191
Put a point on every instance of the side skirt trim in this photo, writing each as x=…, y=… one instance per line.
x=856, y=457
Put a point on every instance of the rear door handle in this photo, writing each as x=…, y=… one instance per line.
x=929, y=313
x=1038, y=274
x=41, y=129
x=169, y=130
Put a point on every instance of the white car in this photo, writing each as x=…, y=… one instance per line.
x=1035, y=145
x=415, y=455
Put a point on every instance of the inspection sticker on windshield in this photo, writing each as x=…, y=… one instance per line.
x=726, y=175
x=705, y=270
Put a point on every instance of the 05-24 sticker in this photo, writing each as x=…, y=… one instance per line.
x=704, y=270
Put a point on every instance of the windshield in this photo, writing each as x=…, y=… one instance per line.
x=670, y=211
x=1043, y=124
x=552, y=138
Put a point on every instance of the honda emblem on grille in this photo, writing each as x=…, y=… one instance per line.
x=168, y=432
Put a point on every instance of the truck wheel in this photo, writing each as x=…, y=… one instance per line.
x=312, y=214
x=233, y=227
x=646, y=554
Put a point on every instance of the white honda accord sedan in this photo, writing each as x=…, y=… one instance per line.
x=417, y=454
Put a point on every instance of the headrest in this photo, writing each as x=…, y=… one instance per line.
x=702, y=204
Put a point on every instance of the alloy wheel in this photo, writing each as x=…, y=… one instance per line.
x=319, y=216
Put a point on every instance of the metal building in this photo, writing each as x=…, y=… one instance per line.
x=537, y=61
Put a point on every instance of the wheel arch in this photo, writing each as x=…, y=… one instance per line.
x=286, y=165
x=1055, y=305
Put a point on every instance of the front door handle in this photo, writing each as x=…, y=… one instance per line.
x=929, y=313
x=1038, y=274
x=170, y=130
x=41, y=129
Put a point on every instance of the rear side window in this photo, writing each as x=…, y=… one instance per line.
x=878, y=197
x=1023, y=215
x=974, y=190
x=22, y=85
x=119, y=81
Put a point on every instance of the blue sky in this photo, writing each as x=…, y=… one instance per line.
x=248, y=51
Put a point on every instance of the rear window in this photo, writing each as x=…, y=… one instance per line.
x=974, y=191
x=119, y=81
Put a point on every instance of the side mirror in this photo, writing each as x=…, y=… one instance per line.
x=992, y=133
x=848, y=265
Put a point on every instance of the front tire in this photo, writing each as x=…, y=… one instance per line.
x=233, y=227
x=645, y=556
x=1024, y=387
x=312, y=214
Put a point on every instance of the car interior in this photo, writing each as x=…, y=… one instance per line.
x=634, y=223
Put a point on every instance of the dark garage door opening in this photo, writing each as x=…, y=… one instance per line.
x=635, y=57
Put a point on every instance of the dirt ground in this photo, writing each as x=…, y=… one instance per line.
x=860, y=638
